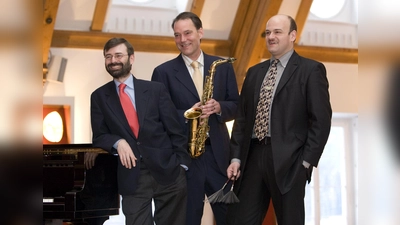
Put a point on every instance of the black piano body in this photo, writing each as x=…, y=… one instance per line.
x=73, y=194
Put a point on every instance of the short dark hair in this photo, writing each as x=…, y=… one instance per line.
x=117, y=41
x=293, y=25
x=188, y=15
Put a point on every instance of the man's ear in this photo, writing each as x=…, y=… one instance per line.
x=293, y=35
x=201, y=32
x=132, y=58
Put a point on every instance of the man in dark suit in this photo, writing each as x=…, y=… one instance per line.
x=152, y=155
x=277, y=165
x=207, y=173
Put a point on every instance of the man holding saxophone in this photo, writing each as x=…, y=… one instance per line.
x=207, y=173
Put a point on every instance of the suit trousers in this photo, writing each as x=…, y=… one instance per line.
x=169, y=201
x=258, y=186
x=204, y=178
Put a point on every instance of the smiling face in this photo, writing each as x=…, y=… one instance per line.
x=187, y=38
x=278, y=37
x=117, y=61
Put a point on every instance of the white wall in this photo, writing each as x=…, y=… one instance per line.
x=85, y=72
x=343, y=87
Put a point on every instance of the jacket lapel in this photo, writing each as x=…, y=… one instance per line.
x=182, y=75
x=288, y=72
x=259, y=79
x=141, y=99
x=115, y=106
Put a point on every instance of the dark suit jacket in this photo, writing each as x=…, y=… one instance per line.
x=300, y=117
x=175, y=75
x=161, y=141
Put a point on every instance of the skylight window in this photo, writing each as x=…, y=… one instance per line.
x=140, y=1
x=326, y=8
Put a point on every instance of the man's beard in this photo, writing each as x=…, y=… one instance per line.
x=122, y=72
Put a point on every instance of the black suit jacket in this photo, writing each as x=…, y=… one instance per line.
x=175, y=75
x=161, y=142
x=300, y=117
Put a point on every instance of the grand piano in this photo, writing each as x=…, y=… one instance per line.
x=74, y=195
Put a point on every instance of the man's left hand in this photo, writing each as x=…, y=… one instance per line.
x=211, y=106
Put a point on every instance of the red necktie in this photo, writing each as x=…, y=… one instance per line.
x=129, y=109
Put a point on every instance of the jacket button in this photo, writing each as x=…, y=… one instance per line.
x=137, y=143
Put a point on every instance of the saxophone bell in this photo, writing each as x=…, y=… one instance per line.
x=193, y=113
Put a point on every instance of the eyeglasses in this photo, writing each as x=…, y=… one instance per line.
x=116, y=56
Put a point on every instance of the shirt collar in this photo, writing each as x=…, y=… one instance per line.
x=285, y=58
x=188, y=61
x=128, y=82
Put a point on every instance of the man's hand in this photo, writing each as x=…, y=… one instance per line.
x=89, y=159
x=233, y=171
x=197, y=105
x=128, y=159
x=210, y=107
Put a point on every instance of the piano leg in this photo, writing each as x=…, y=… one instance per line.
x=53, y=222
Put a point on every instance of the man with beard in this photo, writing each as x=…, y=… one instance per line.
x=148, y=140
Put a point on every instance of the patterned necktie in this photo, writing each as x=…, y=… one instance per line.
x=129, y=110
x=261, y=126
x=197, y=78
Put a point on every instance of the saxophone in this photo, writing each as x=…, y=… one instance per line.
x=198, y=129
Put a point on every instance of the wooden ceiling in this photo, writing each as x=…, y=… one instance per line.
x=245, y=40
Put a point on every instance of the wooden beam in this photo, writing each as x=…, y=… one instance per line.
x=158, y=44
x=238, y=23
x=324, y=54
x=50, y=8
x=248, y=42
x=302, y=15
x=197, y=7
x=143, y=43
x=99, y=15
x=49, y=19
